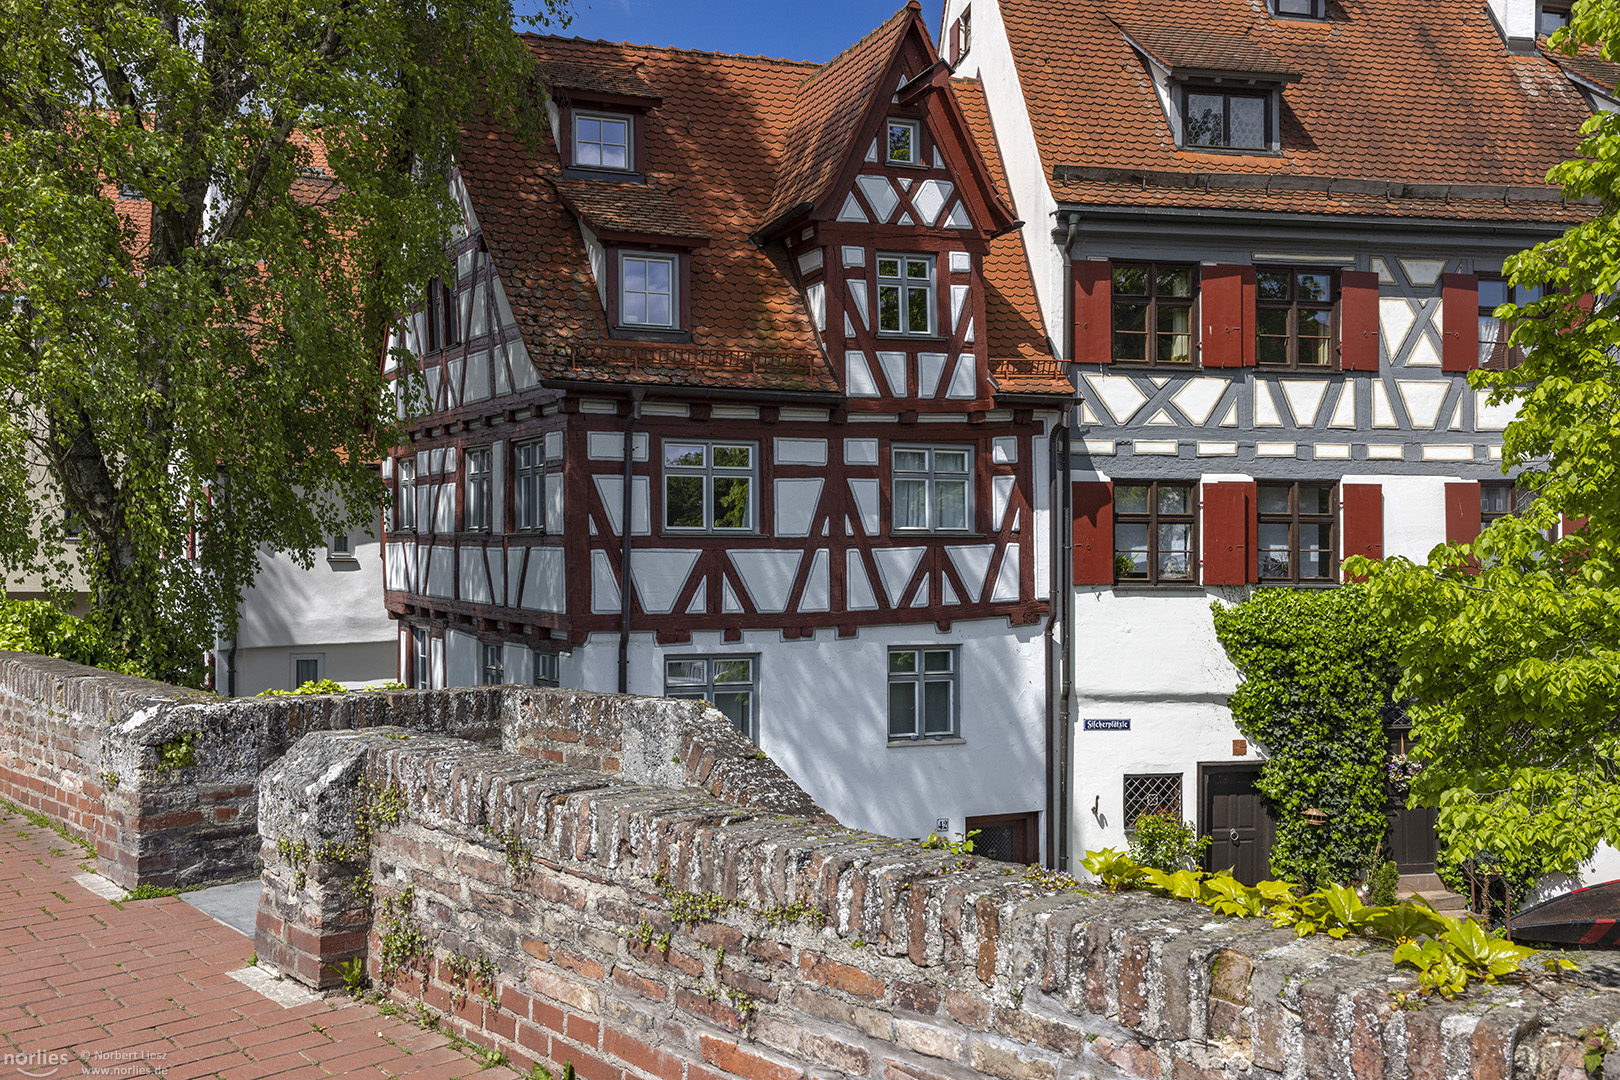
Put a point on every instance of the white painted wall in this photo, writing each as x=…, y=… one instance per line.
x=334, y=608
x=990, y=60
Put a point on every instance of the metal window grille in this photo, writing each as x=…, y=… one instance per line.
x=1151, y=793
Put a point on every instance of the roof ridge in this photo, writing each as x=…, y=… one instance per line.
x=575, y=39
x=862, y=40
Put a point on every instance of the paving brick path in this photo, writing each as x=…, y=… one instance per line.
x=88, y=987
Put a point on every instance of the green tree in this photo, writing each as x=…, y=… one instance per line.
x=210, y=213
x=1511, y=645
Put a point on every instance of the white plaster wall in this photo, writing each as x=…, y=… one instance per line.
x=357, y=663
x=1604, y=865
x=333, y=602
x=991, y=60
x=824, y=718
x=1414, y=512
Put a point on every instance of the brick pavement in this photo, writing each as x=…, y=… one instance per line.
x=89, y=987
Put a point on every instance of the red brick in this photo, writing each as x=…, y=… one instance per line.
x=918, y=997
x=851, y=980
x=634, y=983
x=734, y=1059
x=575, y=962
x=636, y=1053
x=582, y=1030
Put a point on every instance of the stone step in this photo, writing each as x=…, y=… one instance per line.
x=1423, y=883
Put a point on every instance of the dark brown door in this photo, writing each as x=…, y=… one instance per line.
x=1008, y=837
x=1414, y=844
x=1238, y=822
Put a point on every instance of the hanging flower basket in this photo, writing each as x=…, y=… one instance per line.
x=1400, y=771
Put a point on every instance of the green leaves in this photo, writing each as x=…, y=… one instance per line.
x=1317, y=669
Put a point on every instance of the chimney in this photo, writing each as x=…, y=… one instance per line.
x=1516, y=21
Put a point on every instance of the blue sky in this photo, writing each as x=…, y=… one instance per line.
x=755, y=27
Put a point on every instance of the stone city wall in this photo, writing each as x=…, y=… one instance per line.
x=565, y=915
x=165, y=780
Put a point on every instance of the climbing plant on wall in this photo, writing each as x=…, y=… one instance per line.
x=1317, y=671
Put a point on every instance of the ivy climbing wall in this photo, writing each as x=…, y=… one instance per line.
x=562, y=914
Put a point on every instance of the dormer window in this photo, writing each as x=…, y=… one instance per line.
x=647, y=296
x=1551, y=18
x=1226, y=119
x=602, y=141
x=903, y=142
x=1302, y=9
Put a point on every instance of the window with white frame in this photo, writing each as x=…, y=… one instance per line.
x=931, y=488
x=647, y=295
x=405, y=496
x=529, y=486
x=709, y=486
x=340, y=547
x=421, y=674
x=545, y=668
x=729, y=683
x=308, y=668
x=492, y=671
x=902, y=142
x=602, y=141
x=477, y=489
x=922, y=692
x=906, y=294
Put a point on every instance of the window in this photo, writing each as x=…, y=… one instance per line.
x=647, y=290
x=72, y=527
x=1502, y=498
x=1550, y=19
x=529, y=487
x=906, y=294
x=1013, y=838
x=1220, y=118
x=443, y=324
x=931, y=487
x=339, y=547
x=405, y=497
x=1495, y=354
x=493, y=670
x=1152, y=314
x=903, y=142
x=545, y=668
x=477, y=489
x=1295, y=317
x=1303, y=9
x=962, y=35
x=1152, y=793
x=306, y=669
x=726, y=682
x=1296, y=532
x=421, y=674
x=709, y=486
x=922, y=693
x=1154, y=532
x=601, y=141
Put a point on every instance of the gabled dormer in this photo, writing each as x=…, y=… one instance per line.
x=886, y=212
x=1220, y=92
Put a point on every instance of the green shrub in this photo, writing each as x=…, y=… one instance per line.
x=42, y=628
x=1165, y=842
x=1383, y=886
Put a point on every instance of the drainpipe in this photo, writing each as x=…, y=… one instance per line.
x=626, y=527
x=1057, y=726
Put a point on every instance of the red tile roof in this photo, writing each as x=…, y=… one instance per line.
x=713, y=149
x=827, y=109
x=1388, y=91
x=632, y=208
x=1188, y=48
x=1020, y=360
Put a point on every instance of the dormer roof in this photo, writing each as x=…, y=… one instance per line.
x=630, y=209
x=1189, y=53
x=607, y=82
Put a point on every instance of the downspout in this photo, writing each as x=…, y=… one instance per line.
x=626, y=527
x=1058, y=628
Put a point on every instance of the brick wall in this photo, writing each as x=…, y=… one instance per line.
x=822, y=951
x=87, y=748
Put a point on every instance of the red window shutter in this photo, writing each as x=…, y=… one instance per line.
x=956, y=41
x=1571, y=524
x=1462, y=512
x=1363, y=520
x=1093, y=311
x=1358, y=320
x=1459, y=347
x=1093, y=532
x=1226, y=316
x=1230, y=556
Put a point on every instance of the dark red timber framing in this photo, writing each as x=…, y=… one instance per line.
x=533, y=351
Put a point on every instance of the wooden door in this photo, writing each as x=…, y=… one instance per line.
x=1237, y=820
x=1414, y=844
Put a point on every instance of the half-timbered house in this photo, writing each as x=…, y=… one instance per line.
x=1270, y=237
x=740, y=392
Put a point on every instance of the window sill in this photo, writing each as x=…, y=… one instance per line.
x=709, y=534
x=611, y=176
x=920, y=339
x=343, y=560
x=928, y=740
x=644, y=333
x=1283, y=583
x=947, y=534
x=1137, y=365
x=1300, y=370
x=1169, y=588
